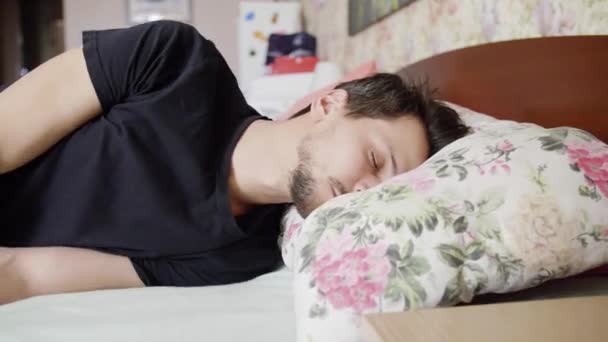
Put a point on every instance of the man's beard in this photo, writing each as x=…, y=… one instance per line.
x=302, y=184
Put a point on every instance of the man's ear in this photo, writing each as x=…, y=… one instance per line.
x=329, y=103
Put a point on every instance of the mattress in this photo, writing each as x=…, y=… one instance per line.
x=257, y=310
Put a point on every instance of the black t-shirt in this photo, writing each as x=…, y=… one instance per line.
x=148, y=178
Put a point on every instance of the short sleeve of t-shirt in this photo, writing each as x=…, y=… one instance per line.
x=241, y=261
x=130, y=62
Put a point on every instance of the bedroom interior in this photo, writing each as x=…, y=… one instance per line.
x=514, y=214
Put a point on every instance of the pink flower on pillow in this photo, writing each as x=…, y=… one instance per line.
x=351, y=277
x=333, y=248
x=494, y=168
x=363, y=295
x=596, y=169
x=500, y=164
x=577, y=149
x=505, y=146
x=603, y=186
x=605, y=231
x=592, y=159
x=292, y=229
x=420, y=181
x=575, y=153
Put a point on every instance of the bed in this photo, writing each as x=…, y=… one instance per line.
x=257, y=310
x=549, y=81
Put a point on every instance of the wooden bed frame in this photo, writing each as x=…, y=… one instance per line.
x=557, y=81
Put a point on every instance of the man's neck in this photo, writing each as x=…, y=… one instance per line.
x=262, y=162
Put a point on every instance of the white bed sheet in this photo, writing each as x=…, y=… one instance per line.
x=257, y=310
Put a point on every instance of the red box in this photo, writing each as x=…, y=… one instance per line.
x=287, y=65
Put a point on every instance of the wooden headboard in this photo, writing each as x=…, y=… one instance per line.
x=557, y=81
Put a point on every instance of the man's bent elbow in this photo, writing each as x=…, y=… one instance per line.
x=13, y=286
x=7, y=163
x=3, y=163
x=35, y=271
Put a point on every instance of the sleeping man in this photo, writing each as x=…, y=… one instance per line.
x=136, y=161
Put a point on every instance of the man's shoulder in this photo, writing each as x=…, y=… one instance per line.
x=170, y=27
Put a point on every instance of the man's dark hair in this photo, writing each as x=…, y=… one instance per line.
x=387, y=96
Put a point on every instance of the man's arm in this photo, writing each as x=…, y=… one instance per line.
x=43, y=107
x=27, y=272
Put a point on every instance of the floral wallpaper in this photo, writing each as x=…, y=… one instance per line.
x=429, y=27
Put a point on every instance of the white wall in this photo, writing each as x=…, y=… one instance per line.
x=215, y=19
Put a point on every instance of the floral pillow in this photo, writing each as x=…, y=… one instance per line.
x=508, y=207
x=292, y=221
